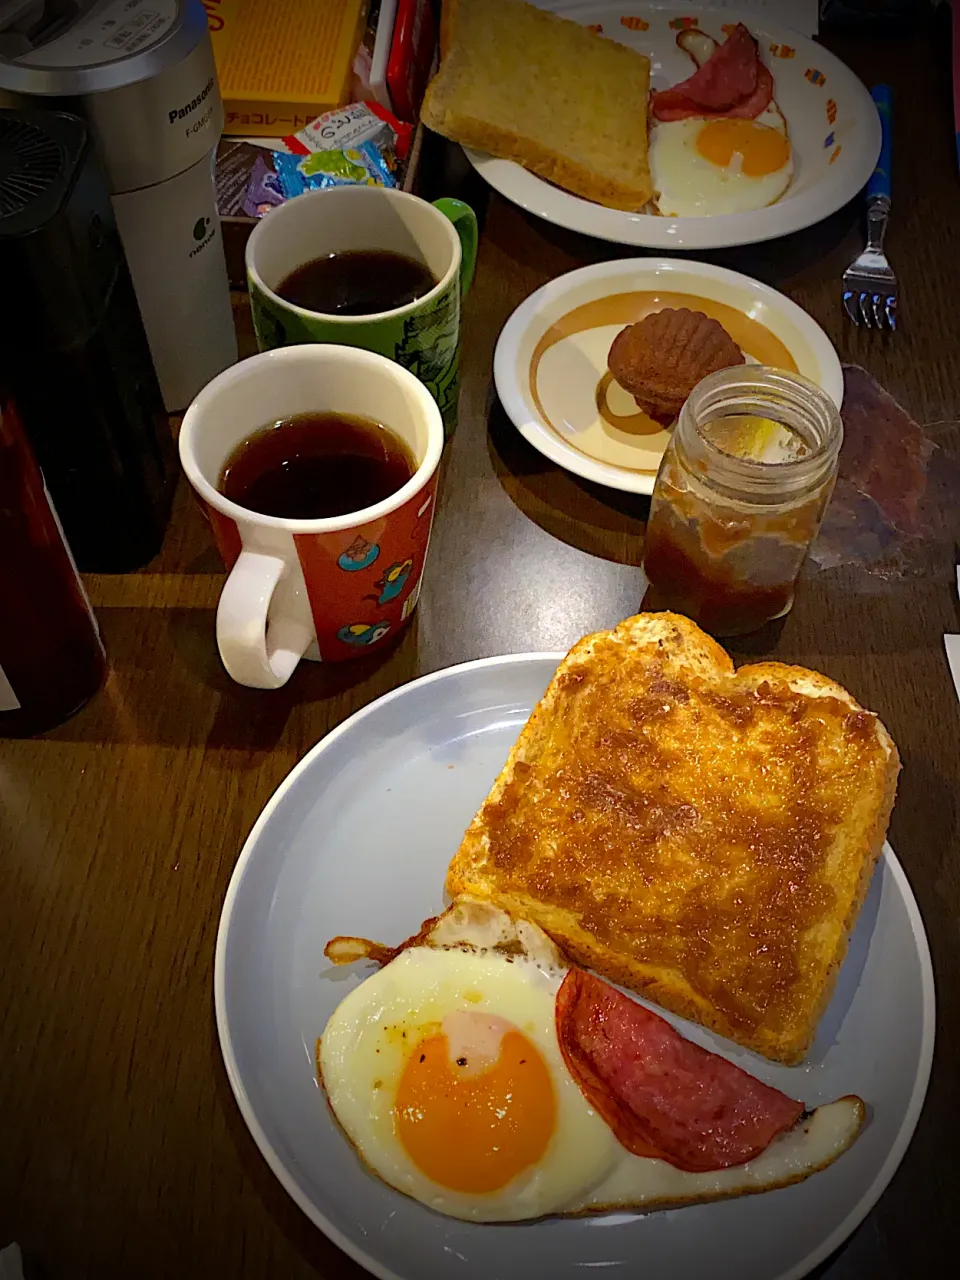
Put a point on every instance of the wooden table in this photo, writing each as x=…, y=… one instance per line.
x=122, y=1153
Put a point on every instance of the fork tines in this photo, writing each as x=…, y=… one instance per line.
x=873, y=309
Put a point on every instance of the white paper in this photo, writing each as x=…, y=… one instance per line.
x=8, y=702
x=952, y=646
x=802, y=16
x=11, y=1263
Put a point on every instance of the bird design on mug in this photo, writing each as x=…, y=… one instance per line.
x=359, y=555
x=363, y=632
x=392, y=582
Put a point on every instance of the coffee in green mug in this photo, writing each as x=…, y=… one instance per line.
x=369, y=223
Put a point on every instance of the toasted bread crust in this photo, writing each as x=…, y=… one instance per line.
x=466, y=99
x=562, y=171
x=712, y=835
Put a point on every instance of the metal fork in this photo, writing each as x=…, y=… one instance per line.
x=869, y=285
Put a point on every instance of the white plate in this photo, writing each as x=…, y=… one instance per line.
x=357, y=840
x=833, y=124
x=550, y=365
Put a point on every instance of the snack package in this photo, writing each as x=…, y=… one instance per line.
x=364, y=165
x=349, y=127
x=263, y=191
x=235, y=164
x=246, y=180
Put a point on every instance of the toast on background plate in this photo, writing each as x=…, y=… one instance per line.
x=703, y=836
x=528, y=86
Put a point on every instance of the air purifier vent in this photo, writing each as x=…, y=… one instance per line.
x=30, y=161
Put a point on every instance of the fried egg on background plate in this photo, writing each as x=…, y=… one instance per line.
x=726, y=165
x=445, y=1073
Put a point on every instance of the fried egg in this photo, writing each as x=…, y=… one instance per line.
x=728, y=165
x=445, y=1072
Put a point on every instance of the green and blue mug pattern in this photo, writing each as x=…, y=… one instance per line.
x=423, y=336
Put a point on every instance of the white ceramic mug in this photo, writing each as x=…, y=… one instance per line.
x=322, y=589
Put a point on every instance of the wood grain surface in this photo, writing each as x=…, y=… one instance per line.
x=122, y=1152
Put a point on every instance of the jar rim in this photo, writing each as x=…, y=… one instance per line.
x=795, y=395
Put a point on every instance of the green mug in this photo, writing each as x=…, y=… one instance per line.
x=424, y=335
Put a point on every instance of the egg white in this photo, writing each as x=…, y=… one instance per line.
x=691, y=186
x=811, y=1145
x=371, y=1034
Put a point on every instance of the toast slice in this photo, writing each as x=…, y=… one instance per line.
x=525, y=85
x=703, y=836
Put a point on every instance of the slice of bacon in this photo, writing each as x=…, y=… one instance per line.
x=670, y=104
x=662, y=1095
x=733, y=81
x=728, y=75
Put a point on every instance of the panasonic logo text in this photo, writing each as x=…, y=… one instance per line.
x=182, y=113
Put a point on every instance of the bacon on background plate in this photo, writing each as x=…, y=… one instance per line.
x=733, y=82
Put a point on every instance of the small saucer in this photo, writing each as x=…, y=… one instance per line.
x=551, y=370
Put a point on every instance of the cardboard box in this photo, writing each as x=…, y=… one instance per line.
x=281, y=63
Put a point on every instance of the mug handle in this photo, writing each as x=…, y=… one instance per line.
x=242, y=625
x=465, y=224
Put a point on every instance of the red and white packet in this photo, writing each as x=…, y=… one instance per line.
x=349, y=127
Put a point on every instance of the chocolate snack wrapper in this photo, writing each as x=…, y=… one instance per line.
x=263, y=190
x=246, y=179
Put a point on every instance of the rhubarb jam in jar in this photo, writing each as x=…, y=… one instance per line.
x=739, y=497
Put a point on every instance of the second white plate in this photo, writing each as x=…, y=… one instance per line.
x=833, y=124
x=550, y=365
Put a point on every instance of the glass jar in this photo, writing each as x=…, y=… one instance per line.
x=739, y=497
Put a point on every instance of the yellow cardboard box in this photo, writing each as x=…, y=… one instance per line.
x=280, y=63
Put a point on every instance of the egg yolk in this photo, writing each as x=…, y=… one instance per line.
x=761, y=149
x=474, y=1132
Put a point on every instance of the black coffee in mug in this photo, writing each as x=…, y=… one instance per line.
x=357, y=282
x=314, y=466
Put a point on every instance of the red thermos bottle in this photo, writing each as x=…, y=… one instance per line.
x=51, y=656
